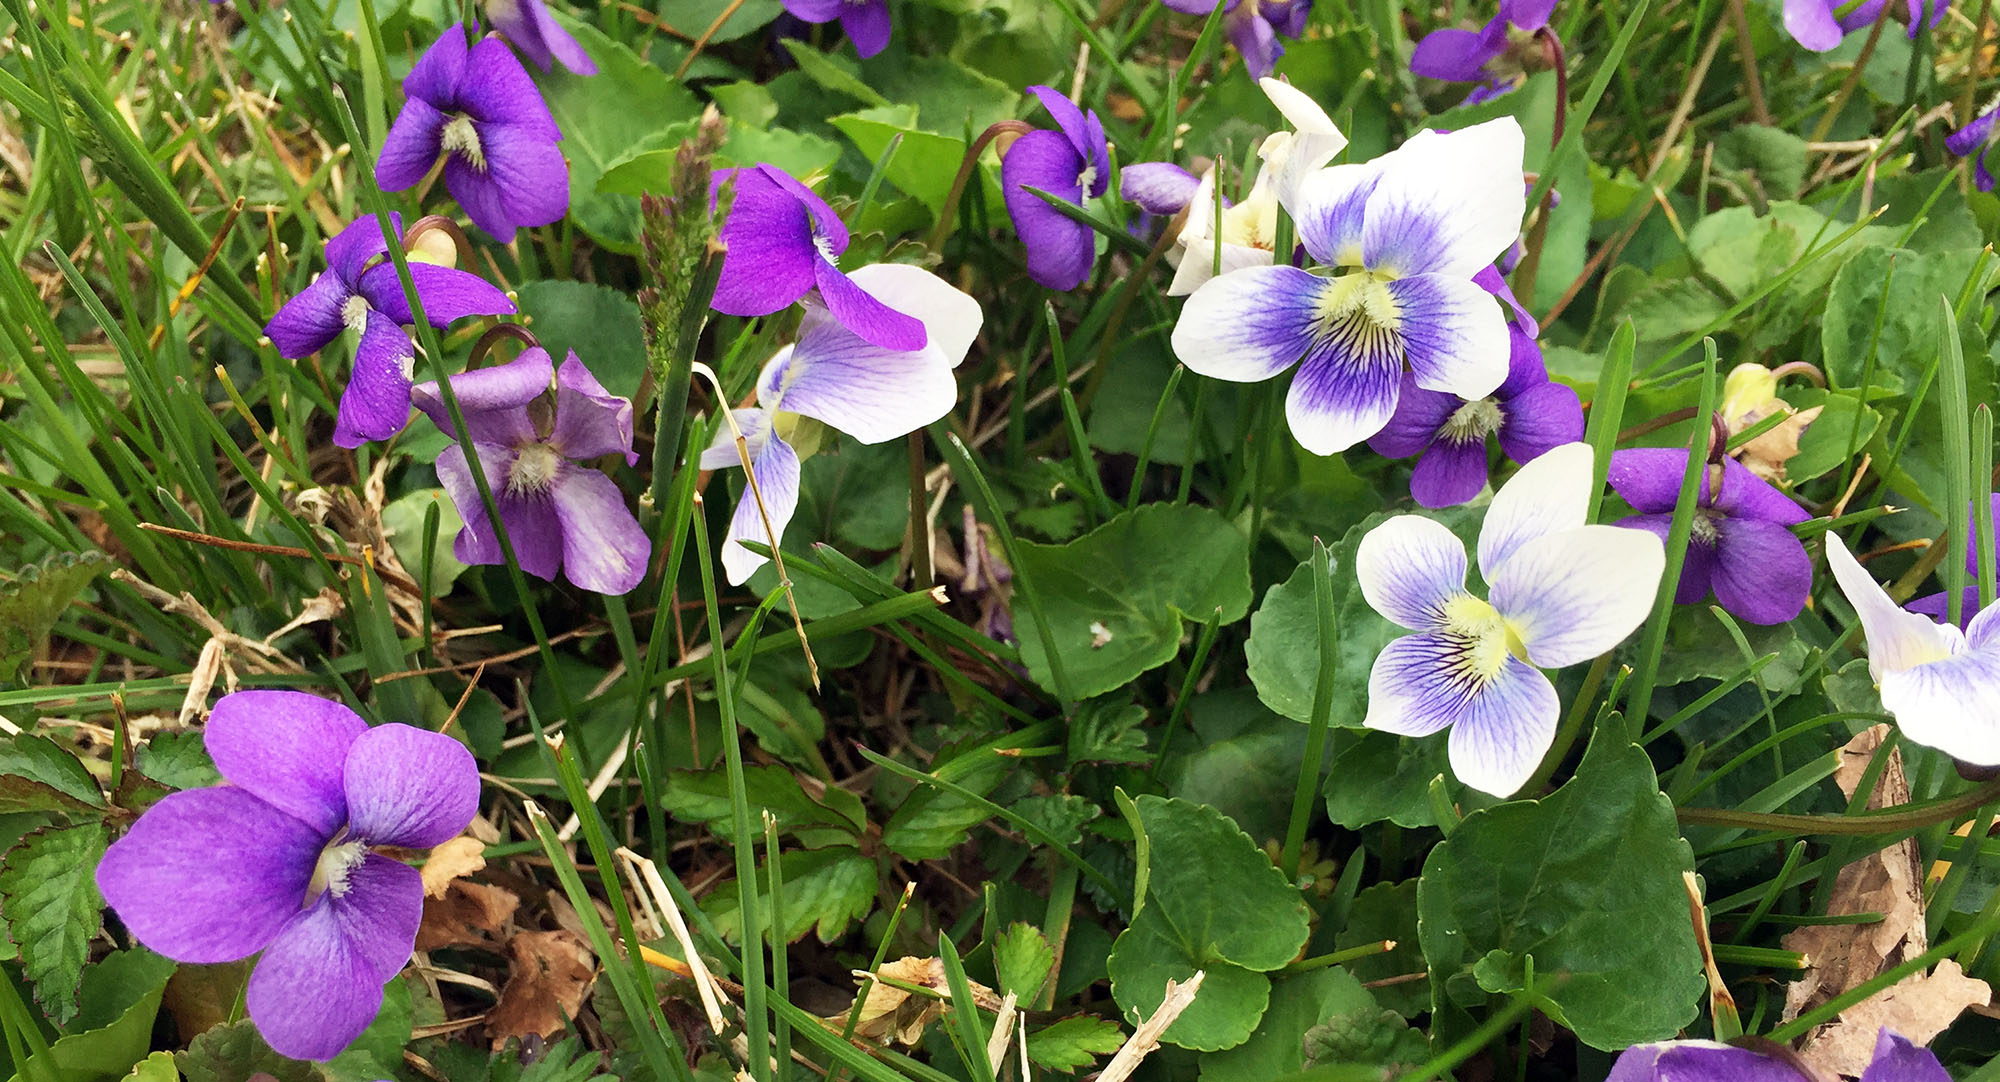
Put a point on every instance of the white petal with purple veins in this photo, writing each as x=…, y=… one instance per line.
x=776, y=468
x=1952, y=705
x=1447, y=203
x=1329, y=208
x=1347, y=388
x=721, y=454
x=1571, y=596
x=1505, y=730
x=1897, y=640
x=1548, y=495
x=1454, y=337
x=1251, y=324
x=1409, y=567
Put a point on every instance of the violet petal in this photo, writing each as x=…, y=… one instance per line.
x=320, y=982
x=1539, y=419
x=376, y=403
x=409, y=787
x=1450, y=473
x=412, y=146
x=604, y=549
x=590, y=421
x=1761, y=571
x=770, y=258
x=311, y=319
x=1060, y=251
x=286, y=749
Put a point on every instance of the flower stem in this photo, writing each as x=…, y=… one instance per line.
x=1322, y=716
x=949, y=213
x=1531, y=254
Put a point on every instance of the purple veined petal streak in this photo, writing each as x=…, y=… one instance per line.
x=1573, y=595
x=863, y=314
x=1447, y=203
x=502, y=92
x=771, y=252
x=1897, y=640
x=320, y=982
x=1762, y=573
x=1409, y=568
x=286, y=749
x=1548, y=495
x=409, y=787
x=1329, y=208
x=869, y=393
x=493, y=399
x=1060, y=251
x=776, y=468
x=1951, y=704
x=209, y=875
x=720, y=454
x=1450, y=473
x=1345, y=389
x=1504, y=730
x=1251, y=324
x=376, y=403
x=1411, y=686
x=590, y=421
x=312, y=318
x=604, y=548
x=1454, y=337
x=412, y=145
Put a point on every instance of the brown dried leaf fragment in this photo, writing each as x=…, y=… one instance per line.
x=456, y=858
x=551, y=975
x=467, y=915
x=894, y=1012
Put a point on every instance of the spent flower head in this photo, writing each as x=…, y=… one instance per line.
x=1740, y=546
x=278, y=860
x=1072, y=163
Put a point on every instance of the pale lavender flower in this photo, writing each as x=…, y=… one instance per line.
x=1254, y=26
x=1740, y=546
x=1467, y=56
x=528, y=26
x=278, y=860
x=1072, y=163
x=1819, y=25
x=478, y=109
x=1942, y=685
x=559, y=515
x=360, y=292
x=866, y=21
x=1411, y=230
x=1561, y=592
x=782, y=243
x=834, y=377
x=1896, y=1059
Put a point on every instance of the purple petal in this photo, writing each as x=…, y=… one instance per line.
x=409, y=787
x=1697, y=569
x=376, y=403
x=1346, y=388
x=1453, y=335
x=1935, y=606
x=776, y=467
x=209, y=875
x=1489, y=279
x=1060, y=251
x=448, y=294
x=771, y=256
x=1699, y=1061
x=604, y=548
x=1575, y=594
x=559, y=41
x=1525, y=368
x=867, y=26
x=1648, y=478
x=286, y=749
x=530, y=521
x=351, y=249
x=826, y=225
x=815, y=11
x=1527, y=14
x=1898, y=1059
x=1331, y=206
x=412, y=146
x=1538, y=420
x=1254, y=38
x=438, y=72
x=590, y=421
x=1068, y=118
x=1451, y=472
x=1973, y=135
x=1864, y=14
x=1097, y=153
x=1455, y=56
x=1972, y=550
x=525, y=181
x=320, y=982
x=870, y=393
x=1811, y=24
x=1418, y=417
x=1159, y=187
x=1191, y=7
x=503, y=94
x=1762, y=572
x=1409, y=568
x=311, y=319
x=493, y=400
x=860, y=312
x=515, y=19
x=1746, y=495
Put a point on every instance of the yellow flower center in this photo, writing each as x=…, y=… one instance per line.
x=534, y=470
x=1359, y=309
x=1485, y=637
x=461, y=138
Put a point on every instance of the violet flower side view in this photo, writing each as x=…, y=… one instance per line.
x=477, y=109
x=277, y=860
x=1896, y=1059
x=1820, y=25
x=1254, y=26
x=1976, y=140
x=560, y=515
x=784, y=242
x=534, y=33
x=1453, y=55
x=834, y=377
x=360, y=292
x=1937, y=606
x=1740, y=548
x=1072, y=163
x=865, y=21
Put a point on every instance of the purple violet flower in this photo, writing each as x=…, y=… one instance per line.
x=1820, y=24
x=1466, y=56
x=1157, y=187
x=360, y=294
x=1254, y=26
x=1072, y=163
x=528, y=26
x=1936, y=605
x=558, y=514
x=832, y=376
x=866, y=21
x=277, y=859
x=1530, y=414
x=1896, y=1059
x=1977, y=136
x=1740, y=546
x=478, y=108
x=782, y=243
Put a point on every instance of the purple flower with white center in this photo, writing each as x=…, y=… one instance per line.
x=1468, y=56
x=1561, y=593
x=782, y=243
x=360, y=293
x=1072, y=163
x=1740, y=547
x=558, y=514
x=1530, y=414
x=866, y=21
x=1942, y=685
x=834, y=377
x=1411, y=229
x=1896, y=1059
x=1254, y=26
x=1977, y=138
x=1937, y=606
x=478, y=109
x=528, y=26
x=1820, y=24
x=278, y=860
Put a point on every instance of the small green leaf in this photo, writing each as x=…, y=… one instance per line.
x=48, y=894
x=1374, y=1036
x=234, y=1052
x=156, y=1067
x=178, y=760
x=933, y=822
x=32, y=598
x=1022, y=959
x=1108, y=730
x=826, y=890
x=1069, y=1043
x=37, y=774
x=1299, y=1003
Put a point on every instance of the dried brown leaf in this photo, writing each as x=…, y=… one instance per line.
x=551, y=974
x=458, y=857
x=467, y=915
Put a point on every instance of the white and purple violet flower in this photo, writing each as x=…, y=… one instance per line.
x=559, y=515
x=359, y=292
x=1560, y=592
x=278, y=859
x=1399, y=241
x=834, y=377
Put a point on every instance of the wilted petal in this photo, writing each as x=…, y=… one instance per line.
x=867, y=25
x=1345, y=389
x=604, y=548
x=376, y=403
x=1060, y=251
x=1408, y=568
x=1450, y=473
x=1504, y=730
x=1158, y=187
x=1897, y=640
x=1576, y=594
x=1454, y=337
x=494, y=400
x=1447, y=203
x=320, y=982
x=409, y=787
x=286, y=748
x=1251, y=324
x=776, y=468
x=1811, y=24
x=209, y=875
x=311, y=319
x=412, y=146
x=1762, y=572
x=590, y=421
x=1546, y=496
x=1538, y=420
x=771, y=255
